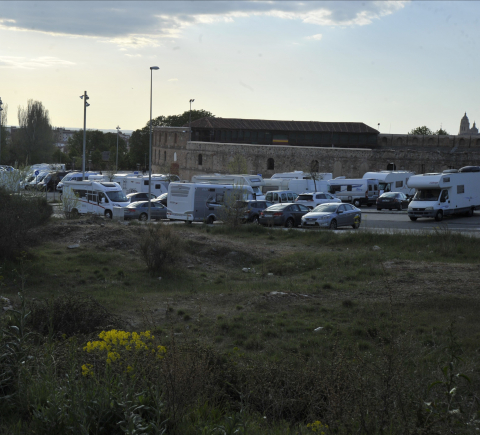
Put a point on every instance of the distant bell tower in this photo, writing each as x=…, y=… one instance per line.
x=464, y=125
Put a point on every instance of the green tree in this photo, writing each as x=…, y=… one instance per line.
x=238, y=165
x=421, y=130
x=442, y=132
x=34, y=141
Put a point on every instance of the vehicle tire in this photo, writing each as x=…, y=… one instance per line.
x=289, y=223
x=108, y=214
x=399, y=207
x=356, y=203
x=439, y=215
x=255, y=220
x=143, y=217
x=413, y=218
x=470, y=212
x=333, y=224
x=379, y=208
x=210, y=220
x=356, y=225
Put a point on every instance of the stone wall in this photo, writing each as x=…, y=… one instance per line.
x=415, y=153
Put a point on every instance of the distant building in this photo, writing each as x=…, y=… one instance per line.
x=465, y=127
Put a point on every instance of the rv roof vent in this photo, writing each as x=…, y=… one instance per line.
x=107, y=184
x=470, y=169
x=450, y=171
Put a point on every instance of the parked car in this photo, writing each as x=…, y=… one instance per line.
x=252, y=209
x=162, y=199
x=312, y=199
x=140, y=196
x=139, y=210
x=288, y=215
x=392, y=200
x=281, y=196
x=50, y=181
x=333, y=215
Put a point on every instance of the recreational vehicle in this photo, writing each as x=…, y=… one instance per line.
x=444, y=194
x=357, y=191
x=133, y=183
x=254, y=181
x=203, y=202
x=92, y=197
x=392, y=181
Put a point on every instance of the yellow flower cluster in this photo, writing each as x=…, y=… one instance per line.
x=114, y=342
x=87, y=370
x=317, y=426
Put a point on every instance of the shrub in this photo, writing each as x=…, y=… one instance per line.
x=18, y=215
x=160, y=246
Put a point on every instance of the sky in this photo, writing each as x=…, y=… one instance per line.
x=400, y=64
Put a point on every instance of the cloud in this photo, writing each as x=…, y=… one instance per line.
x=145, y=23
x=316, y=37
x=34, y=63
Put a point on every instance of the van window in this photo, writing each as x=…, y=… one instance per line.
x=290, y=196
x=268, y=197
x=284, y=197
x=275, y=196
x=80, y=193
x=349, y=188
x=461, y=189
x=399, y=184
x=375, y=187
x=92, y=197
x=370, y=187
x=145, y=182
x=157, y=186
x=101, y=196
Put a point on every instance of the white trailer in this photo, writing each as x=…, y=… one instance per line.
x=202, y=202
x=443, y=194
x=304, y=186
x=254, y=181
x=133, y=183
x=297, y=181
x=392, y=181
x=357, y=191
x=92, y=197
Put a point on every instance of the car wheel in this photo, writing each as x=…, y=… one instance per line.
x=356, y=225
x=210, y=220
x=255, y=220
x=108, y=214
x=413, y=218
x=439, y=215
x=289, y=223
x=379, y=208
x=143, y=217
x=333, y=224
x=356, y=203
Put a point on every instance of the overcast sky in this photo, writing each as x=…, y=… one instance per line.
x=400, y=64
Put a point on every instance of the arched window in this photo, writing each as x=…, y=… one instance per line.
x=200, y=160
x=391, y=167
x=164, y=156
x=314, y=166
x=462, y=142
x=270, y=164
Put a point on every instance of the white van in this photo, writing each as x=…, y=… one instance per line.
x=443, y=194
x=254, y=181
x=356, y=191
x=281, y=196
x=200, y=202
x=392, y=181
x=92, y=197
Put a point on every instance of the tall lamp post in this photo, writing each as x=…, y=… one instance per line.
x=84, y=97
x=150, y=146
x=116, y=164
x=1, y=129
x=190, y=119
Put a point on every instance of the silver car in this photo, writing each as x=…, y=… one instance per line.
x=139, y=210
x=333, y=215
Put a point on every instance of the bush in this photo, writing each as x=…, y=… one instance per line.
x=160, y=247
x=18, y=215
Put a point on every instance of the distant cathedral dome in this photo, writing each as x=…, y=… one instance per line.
x=465, y=126
x=474, y=129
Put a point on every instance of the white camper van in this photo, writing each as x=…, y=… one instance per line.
x=200, y=202
x=357, y=191
x=92, y=197
x=254, y=181
x=77, y=176
x=392, y=181
x=444, y=194
x=133, y=183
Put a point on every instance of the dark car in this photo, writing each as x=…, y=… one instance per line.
x=50, y=181
x=251, y=209
x=392, y=200
x=162, y=199
x=284, y=214
x=139, y=196
x=139, y=210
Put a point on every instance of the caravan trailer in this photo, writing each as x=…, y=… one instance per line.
x=200, y=202
x=392, y=181
x=443, y=194
x=357, y=191
x=92, y=197
x=254, y=181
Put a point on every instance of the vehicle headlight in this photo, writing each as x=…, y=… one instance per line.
x=322, y=218
x=429, y=208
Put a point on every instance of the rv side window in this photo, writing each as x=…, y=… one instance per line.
x=334, y=189
x=145, y=182
x=399, y=184
x=268, y=197
x=349, y=188
x=461, y=189
x=92, y=197
x=157, y=186
x=80, y=193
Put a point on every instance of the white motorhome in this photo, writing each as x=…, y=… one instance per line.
x=444, y=194
x=392, y=181
x=254, y=181
x=357, y=191
x=77, y=176
x=133, y=183
x=201, y=202
x=298, y=181
x=92, y=197
x=308, y=185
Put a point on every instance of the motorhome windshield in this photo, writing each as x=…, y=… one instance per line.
x=117, y=196
x=384, y=186
x=427, y=195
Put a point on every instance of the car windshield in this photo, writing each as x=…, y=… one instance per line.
x=388, y=195
x=427, y=195
x=277, y=207
x=163, y=196
x=117, y=196
x=326, y=208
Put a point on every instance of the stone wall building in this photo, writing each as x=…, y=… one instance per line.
x=174, y=152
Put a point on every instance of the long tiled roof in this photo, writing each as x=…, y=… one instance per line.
x=264, y=124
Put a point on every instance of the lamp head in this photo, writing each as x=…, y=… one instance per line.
x=154, y=67
x=192, y=100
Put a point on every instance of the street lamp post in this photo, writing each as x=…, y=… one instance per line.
x=190, y=119
x=116, y=164
x=150, y=146
x=84, y=97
